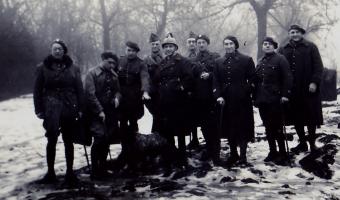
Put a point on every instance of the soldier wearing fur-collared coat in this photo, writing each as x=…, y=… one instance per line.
x=58, y=93
x=231, y=87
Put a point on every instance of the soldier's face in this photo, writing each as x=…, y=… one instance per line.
x=191, y=43
x=229, y=46
x=268, y=47
x=155, y=46
x=57, y=51
x=130, y=52
x=169, y=49
x=295, y=35
x=109, y=63
x=202, y=45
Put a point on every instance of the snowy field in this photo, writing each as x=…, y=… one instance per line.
x=22, y=161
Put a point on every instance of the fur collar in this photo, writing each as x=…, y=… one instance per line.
x=49, y=60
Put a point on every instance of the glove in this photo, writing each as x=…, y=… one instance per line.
x=284, y=100
x=102, y=116
x=204, y=75
x=220, y=101
x=312, y=87
x=40, y=115
x=146, y=96
x=116, y=102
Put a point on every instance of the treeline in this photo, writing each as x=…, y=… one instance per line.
x=27, y=28
x=17, y=54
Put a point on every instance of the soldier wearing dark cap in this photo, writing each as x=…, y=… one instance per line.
x=305, y=105
x=204, y=103
x=103, y=97
x=153, y=61
x=191, y=55
x=232, y=88
x=134, y=83
x=273, y=82
x=192, y=45
x=175, y=87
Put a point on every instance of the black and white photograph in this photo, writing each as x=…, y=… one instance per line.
x=169, y=99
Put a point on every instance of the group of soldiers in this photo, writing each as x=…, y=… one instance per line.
x=201, y=89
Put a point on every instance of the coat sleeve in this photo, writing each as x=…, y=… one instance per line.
x=211, y=73
x=145, y=78
x=286, y=77
x=197, y=69
x=38, y=90
x=91, y=98
x=186, y=76
x=317, y=66
x=79, y=89
x=118, y=95
x=216, y=82
x=251, y=76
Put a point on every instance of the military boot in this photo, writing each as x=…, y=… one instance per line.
x=301, y=147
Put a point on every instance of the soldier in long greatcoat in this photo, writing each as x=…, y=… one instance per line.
x=175, y=83
x=307, y=68
x=232, y=89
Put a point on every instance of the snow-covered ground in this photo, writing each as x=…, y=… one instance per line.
x=22, y=161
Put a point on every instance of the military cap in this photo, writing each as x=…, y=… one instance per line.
x=270, y=40
x=297, y=27
x=153, y=38
x=169, y=39
x=233, y=39
x=132, y=45
x=192, y=35
x=203, y=37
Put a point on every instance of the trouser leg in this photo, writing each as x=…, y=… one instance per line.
x=50, y=153
x=301, y=133
x=312, y=136
x=302, y=146
x=133, y=125
x=281, y=141
x=69, y=151
x=233, y=148
x=182, y=150
x=243, y=151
